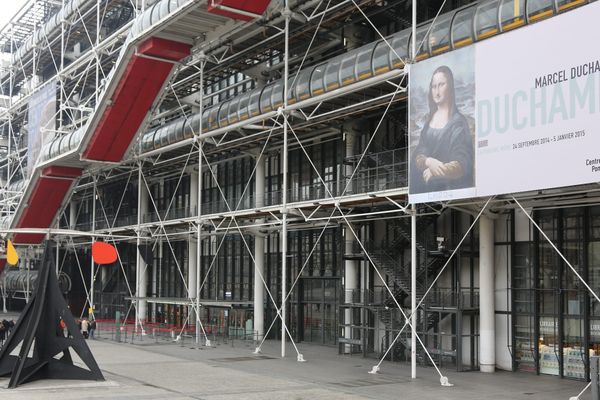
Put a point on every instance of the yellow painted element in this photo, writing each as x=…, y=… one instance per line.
x=542, y=15
x=234, y=119
x=566, y=6
x=304, y=96
x=441, y=49
x=255, y=113
x=318, y=91
x=422, y=56
x=365, y=75
x=244, y=116
x=11, y=254
x=517, y=8
x=291, y=101
x=399, y=64
x=463, y=42
x=332, y=86
x=515, y=24
x=381, y=70
x=348, y=81
x=488, y=33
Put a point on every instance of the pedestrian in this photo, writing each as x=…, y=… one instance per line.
x=2, y=332
x=85, y=324
x=92, y=328
x=10, y=326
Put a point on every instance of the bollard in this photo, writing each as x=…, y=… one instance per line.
x=118, y=326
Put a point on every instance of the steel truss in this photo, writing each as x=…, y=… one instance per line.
x=217, y=58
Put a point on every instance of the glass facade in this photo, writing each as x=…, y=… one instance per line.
x=555, y=325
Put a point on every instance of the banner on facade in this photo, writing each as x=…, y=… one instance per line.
x=514, y=113
x=41, y=124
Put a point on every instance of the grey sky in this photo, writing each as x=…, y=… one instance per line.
x=9, y=8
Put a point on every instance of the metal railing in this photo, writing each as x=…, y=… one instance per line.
x=378, y=171
x=449, y=298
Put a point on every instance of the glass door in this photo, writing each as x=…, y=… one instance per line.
x=320, y=310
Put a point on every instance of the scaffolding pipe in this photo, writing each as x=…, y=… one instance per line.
x=287, y=14
x=413, y=237
x=93, y=240
x=138, y=323
x=199, y=208
x=413, y=291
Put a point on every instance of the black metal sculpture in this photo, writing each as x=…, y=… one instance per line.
x=39, y=328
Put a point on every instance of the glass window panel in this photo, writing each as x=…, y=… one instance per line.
x=439, y=38
x=539, y=9
x=512, y=14
x=462, y=27
x=486, y=20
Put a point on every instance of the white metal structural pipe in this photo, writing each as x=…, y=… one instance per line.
x=287, y=13
x=97, y=54
x=413, y=43
x=487, y=331
x=72, y=214
x=350, y=266
x=154, y=285
x=193, y=248
x=236, y=11
x=93, y=240
x=413, y=242
x=143, y=289
x=57, y=259
x=138, y=242
x=350, y=285
x=62, y=66
x=413, y=291
x=259, y=253
x=27, y=265
x=199, y=206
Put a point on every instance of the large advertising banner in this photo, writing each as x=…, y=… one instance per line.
x=531, y=105
x=41, y=124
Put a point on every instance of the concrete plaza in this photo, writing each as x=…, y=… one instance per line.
x=231, y=371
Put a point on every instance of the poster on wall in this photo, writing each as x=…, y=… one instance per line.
x=41, y=124
x=530, y=101
x=442, y=127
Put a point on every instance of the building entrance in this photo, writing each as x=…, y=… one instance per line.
x=318, y=310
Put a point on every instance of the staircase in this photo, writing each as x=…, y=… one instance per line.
x=387, y=260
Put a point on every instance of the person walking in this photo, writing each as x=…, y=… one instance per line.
x=92, y=328
x=85, y=325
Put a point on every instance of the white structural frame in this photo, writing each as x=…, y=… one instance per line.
x=91, y=68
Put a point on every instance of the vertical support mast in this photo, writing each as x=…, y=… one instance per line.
x=413, y=291
x=93, y=239
x=199, y=202
x=97, y=53
x=413, y=235
x=138, y=271
x=286, y=71
x=62, y=67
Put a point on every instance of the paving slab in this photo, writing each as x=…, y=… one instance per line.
x=232, y=371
